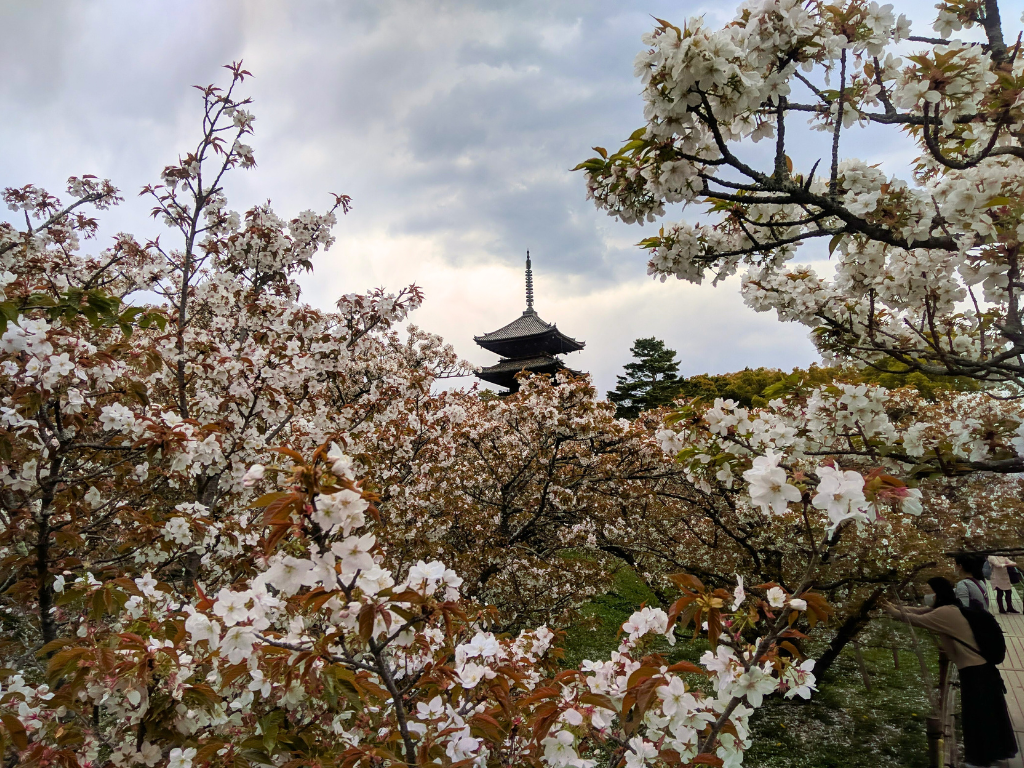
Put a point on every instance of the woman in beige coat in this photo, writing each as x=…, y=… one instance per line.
x=988, y=732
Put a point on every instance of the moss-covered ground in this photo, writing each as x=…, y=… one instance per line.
x=842, y=726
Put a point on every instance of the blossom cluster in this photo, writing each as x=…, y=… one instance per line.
x=921, y=264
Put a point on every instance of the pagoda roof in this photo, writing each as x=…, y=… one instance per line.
x=528, y=334
x=503, y=373
x=527, y=343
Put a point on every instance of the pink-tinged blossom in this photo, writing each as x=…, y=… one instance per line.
x=647, y=620
x=237, y=644
x=146, y=584
x=289, y=574
x=776, y=597
x=483, y=645
x=470, y=674
x=640, y=753
x=675, y=698
x=911, y=502
x=841, y=494
x=572, y=717
x=738, y=594
x=430, y=710
x=671, y=442
x=754, y=684
x=799, y=680
x=353, y=553
x=231, y=606
x=723, y=663
x=427, y=576
x=342, y=465
x=560, y=751
x=177, y=530
x=253, y=475
x=181, y=758
x=200, y=628
x=343, y=509
x=374, y=579
x=61, y=365
x=768, y=486
x=462, y=746
x=116, y=417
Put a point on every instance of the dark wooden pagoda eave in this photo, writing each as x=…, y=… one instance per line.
x=504, y=372
x=549, y=342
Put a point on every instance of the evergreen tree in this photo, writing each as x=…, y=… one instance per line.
x=651, y=380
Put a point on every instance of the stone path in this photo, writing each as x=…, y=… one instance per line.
x=1013, y=675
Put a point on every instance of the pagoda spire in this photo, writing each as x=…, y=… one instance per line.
x=529, y=284
x=525, y=344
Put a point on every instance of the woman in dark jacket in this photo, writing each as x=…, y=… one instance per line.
x=988, y=732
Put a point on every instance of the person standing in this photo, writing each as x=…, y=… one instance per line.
x=1001, y=581
x=988, y=732
x=970, y=589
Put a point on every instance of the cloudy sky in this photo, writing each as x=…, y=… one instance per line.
x=453, y=125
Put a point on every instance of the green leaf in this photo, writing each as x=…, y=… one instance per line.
x=998, y=200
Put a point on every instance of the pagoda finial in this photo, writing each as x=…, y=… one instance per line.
x=529, y=284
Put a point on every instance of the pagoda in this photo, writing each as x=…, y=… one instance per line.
x=525, y=344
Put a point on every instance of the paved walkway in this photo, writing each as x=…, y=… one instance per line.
x=1013, y=675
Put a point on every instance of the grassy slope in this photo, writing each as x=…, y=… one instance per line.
x=842, y=726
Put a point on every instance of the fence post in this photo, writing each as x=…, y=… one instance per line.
x=861, y=664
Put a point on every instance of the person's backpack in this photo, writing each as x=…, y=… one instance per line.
x=987, y=634
x=975, y=603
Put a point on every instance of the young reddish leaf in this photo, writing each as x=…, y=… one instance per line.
x=540, y=694
x=367, y=614
x=267, y=499
x=687, y=580
x=707, y=759
x=598, y=700
x=279, y=511
x=687, y=666
x=16, y=731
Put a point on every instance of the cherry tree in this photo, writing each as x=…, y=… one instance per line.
x=189, y=524
x=514, y=492
x=923, y=274
x=926, y=270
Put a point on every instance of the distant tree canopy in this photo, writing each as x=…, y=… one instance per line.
x=652, y=381
x=745, y=387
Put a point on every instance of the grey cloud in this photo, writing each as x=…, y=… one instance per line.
x=483, y=137
x=451, y=122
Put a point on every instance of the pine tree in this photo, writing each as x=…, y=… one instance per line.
x=651, y=380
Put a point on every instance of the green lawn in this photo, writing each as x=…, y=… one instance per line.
x=842, y=726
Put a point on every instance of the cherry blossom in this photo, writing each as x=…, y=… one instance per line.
x=769, y=488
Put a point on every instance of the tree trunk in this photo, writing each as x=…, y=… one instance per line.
x=856, y=622
x=207, y=488
x=847, y=632
x=47, y=625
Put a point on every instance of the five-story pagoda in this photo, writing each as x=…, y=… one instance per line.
x=525, y=344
